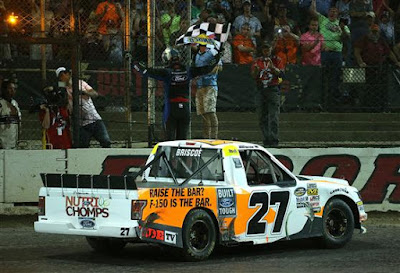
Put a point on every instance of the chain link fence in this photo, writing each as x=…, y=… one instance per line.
x=104, y=39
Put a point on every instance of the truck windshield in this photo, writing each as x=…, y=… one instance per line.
x=184, y=162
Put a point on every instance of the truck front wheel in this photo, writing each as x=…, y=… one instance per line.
x=106, y=245
x=338, y=224
x=199, y=235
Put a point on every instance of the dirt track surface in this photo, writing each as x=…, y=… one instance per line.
x=23, y=250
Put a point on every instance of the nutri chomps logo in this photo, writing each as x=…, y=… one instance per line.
x=86, y=206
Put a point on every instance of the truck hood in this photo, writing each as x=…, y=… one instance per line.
x=323, y=178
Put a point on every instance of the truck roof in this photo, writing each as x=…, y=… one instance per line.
x=210, y=143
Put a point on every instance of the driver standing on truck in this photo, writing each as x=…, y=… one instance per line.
x=176, y=77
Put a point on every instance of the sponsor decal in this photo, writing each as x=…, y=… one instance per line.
x=152, y=233
x=314, y=204
x=312, y=191
x=226, y=200
x=87, y=206
x=179, y=78
x=188, y=152
x=87, y=223
x=360, y=206
x=300, y=205
x=317, y=209
x=300, y=191
x=170, y=237
x=178, y=197
x=159, y=235
x=302, y=199
x=237, y=162
x=339, y=190
x=230, y=150
x=314, y=198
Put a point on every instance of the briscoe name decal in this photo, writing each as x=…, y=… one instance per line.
x=86, y=206
x=226, y=202
x=188, y=152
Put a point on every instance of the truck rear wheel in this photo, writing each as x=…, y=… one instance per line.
x=199, y=235
x=106, y=245
x=338, y=224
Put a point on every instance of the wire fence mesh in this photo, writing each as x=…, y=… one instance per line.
x=342, y=74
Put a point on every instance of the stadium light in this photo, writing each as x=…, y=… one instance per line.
x=12, y=19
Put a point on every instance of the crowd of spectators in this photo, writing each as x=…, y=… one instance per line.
x=284, y=23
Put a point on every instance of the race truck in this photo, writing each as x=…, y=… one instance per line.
x=192, y=195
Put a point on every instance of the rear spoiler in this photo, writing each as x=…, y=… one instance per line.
x=111, y=182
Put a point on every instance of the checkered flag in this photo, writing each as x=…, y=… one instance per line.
x=208, y=34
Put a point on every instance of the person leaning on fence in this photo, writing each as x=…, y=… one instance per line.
x=176, y=77
x=243, y=46
x=54, y=117
x=91, y=123
x=267, y=71
x=10, y=116
x=312, y=43
x=371, y=52
x=207, y=92
x=334, y=34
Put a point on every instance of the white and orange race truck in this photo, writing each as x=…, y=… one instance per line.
x=195, y=194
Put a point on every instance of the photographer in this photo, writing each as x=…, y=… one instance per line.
x=54, y=117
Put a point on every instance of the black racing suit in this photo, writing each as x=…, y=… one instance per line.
x=176, y=79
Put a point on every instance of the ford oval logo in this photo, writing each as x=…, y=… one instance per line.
x=179, y=78
x=88, y=223
x=226, y=203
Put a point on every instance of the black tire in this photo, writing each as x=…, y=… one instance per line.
x=338, y=224
x=106, y=245
x=199, y=235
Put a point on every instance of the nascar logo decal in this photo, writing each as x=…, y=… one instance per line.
x=300, y=191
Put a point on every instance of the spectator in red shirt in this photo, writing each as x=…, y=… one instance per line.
x=371, y=51
x=267, y=72
x=54, y=117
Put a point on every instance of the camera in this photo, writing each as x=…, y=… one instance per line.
x=53, y=97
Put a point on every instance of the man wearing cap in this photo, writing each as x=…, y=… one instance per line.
x=207, y=92
x=371, y=51
x=247, y=17
x=91, y=124
x=267, y=71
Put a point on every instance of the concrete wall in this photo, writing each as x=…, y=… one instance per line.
x=374, y=171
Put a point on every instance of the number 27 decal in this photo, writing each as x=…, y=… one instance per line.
x=257, y=224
